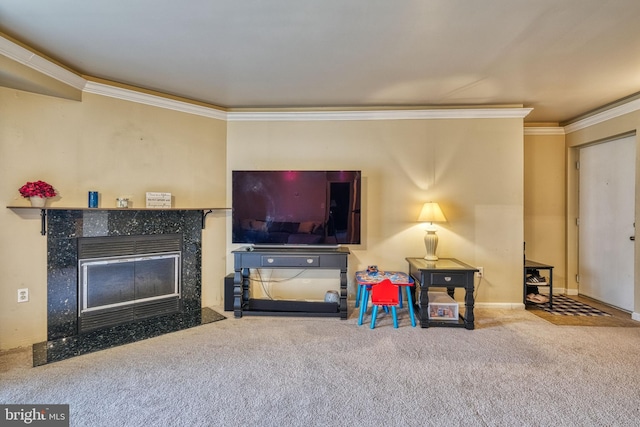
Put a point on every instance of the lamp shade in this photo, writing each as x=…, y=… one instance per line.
x=431, y=212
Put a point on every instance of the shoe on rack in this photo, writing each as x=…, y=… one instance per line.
x=536, y=279
x=537, y=298
x=540, y=278
x=542, y=299
x=531, y=298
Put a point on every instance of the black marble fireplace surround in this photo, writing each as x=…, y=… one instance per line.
x=65, y=227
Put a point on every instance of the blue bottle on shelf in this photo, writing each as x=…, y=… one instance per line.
x=93, y=199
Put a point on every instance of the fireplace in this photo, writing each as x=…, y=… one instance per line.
x=158, y=251
x=126, y=278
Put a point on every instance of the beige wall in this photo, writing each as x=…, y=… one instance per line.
x=545, y=203
x=112, y=146
x=624, y=124
x=472, y=167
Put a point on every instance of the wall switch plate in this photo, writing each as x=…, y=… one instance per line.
x=23, y=295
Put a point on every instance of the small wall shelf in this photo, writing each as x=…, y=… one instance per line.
x=43, y=212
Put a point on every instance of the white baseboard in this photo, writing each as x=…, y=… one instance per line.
x=499, y=305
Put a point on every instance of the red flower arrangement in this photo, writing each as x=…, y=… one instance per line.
x=37, y=189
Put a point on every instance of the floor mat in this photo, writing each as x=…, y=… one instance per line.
x=565, y=306
x=611, y=317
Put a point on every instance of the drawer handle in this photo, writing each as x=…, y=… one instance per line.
x=270, y=260
x=309, y=260
x=447, y=279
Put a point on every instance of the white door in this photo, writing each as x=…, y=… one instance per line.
x=607, y=199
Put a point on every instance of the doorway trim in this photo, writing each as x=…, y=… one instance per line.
x=573, y=185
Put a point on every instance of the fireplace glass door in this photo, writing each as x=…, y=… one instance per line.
x=118, y=281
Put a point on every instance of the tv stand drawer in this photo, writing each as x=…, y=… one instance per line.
x=290, y=261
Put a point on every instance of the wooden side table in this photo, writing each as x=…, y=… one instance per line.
x=448, y=273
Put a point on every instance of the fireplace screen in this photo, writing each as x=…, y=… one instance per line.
x=118, y=281
x=124, y=279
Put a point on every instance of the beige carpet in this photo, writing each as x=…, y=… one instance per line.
x=515, y=369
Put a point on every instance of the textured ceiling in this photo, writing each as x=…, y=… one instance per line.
x=562, y=58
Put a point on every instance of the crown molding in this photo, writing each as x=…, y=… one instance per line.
x=159, y=101
x=26, y=57
x=447, y=113
x=544, y=130
x=612, y=113
x=153, y=100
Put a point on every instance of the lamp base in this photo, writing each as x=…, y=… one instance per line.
x=430, y=244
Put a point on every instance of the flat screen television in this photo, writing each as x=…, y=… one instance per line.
x=296, y=208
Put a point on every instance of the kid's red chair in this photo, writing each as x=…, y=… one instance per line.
x=384, y=294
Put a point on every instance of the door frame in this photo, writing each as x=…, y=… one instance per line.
x=599, y=180
x=573, y=185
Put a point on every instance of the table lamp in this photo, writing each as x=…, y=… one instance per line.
x=431, y=213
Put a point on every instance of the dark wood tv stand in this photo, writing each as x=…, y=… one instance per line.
x=287, y=258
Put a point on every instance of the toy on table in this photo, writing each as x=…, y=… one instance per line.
x=372, y=270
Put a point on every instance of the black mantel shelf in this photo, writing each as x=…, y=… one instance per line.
x=43, y=211
x=72, y=208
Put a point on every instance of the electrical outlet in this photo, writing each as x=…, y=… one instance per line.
x=23, y=295
x=480, y=272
